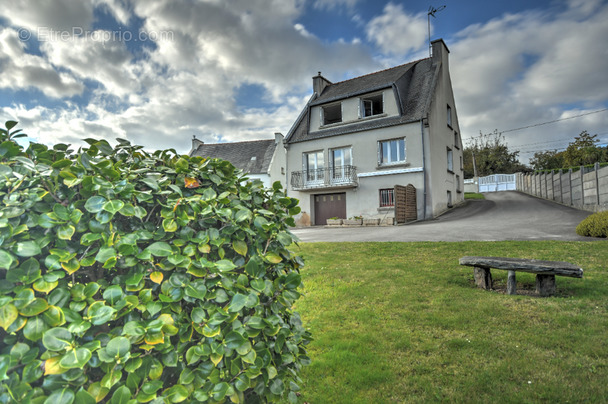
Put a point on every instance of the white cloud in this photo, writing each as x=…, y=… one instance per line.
x=186, y=84
x=21, y=70
x=397, y=32
x=57, y=15
x=533, y=67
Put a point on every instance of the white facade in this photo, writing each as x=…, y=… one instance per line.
x=355, y=149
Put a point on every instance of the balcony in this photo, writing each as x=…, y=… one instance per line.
x=325, y=178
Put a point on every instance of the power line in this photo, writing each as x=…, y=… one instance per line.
x=556, y=120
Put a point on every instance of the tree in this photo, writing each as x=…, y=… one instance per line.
x=583, y=151
x=128, y=276
x=547, y=160
x=491, y=156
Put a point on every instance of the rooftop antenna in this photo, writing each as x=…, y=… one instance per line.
x=432, y=11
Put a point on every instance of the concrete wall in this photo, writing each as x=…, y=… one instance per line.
x=585, y=188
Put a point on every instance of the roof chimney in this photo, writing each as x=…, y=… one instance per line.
x=319, y=83
x=440, y=51
x=195, y=144
x=278, y=138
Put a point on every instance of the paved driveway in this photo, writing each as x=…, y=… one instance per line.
x=501, y=216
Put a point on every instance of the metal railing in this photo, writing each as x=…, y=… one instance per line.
x=326, y=177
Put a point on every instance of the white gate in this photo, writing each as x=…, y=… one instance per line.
x=497, y=182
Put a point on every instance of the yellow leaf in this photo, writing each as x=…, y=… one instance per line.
x=97, y=391
x=216, y=358
x=8, y=315
x=52, y=367
x=205, y=248
x=191, y=182
x=156, y=277
x=155, y=338
x=273, y=258
x=166, y=319
x=240, y=247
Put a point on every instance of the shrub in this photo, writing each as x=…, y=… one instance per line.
x=128, y=276
x=595, y=225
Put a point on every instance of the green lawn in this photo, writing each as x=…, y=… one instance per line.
x=403, y=322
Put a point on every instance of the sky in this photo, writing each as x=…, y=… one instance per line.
x=158, y=72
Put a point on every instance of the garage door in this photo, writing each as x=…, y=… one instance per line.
x=329, y=205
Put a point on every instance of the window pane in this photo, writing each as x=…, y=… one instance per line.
x=394, y=151
x=401, y=149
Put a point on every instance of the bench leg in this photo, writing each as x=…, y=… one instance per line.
x=483, y=278
x=545, y=285
x=511, y=283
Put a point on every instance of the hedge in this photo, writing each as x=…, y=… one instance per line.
x=132, y=276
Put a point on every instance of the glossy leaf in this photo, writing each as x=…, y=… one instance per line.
x=57, y=339
x=76, y=358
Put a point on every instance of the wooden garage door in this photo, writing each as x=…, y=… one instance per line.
x=329, y=205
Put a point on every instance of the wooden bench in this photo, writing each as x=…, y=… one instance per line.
x=545, y=272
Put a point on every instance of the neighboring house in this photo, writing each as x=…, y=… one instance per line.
x=356, y=139
x=261, y=159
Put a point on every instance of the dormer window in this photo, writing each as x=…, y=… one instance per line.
x=332, y=114
x=372, y=105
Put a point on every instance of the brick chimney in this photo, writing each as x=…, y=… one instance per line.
x=319, y=83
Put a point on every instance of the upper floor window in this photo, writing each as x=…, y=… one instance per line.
x=372, y=105
x=391, y=151
x=450, y=160
x=449, y=116
x=332, y=114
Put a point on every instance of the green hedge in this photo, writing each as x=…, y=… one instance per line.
x=128, y=276
x=595, y=225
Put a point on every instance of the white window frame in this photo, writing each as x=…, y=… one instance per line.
x=390, y=143
x=370, y=99
x=345, y=152
x=314, y=174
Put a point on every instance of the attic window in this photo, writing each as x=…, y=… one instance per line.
x=372, y=105
x=332, y=114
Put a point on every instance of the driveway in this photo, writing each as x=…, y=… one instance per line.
x=501, y=216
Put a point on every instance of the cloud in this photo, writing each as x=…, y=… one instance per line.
x=57, y=15
x=396, y=32
x=186, y=83
x=533, y=67
x=23, y=71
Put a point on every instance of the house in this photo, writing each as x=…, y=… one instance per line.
x=359, y=140
x=260, y=159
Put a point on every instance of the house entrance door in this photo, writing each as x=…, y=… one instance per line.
x=328, y=206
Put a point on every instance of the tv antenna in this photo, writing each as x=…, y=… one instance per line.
x=432, y=11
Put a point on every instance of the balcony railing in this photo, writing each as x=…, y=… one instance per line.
x=325, y=178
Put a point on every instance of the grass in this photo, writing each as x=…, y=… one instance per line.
x=403, y=322
x=473, y=195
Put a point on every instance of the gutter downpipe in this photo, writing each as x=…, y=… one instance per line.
x=423, y=168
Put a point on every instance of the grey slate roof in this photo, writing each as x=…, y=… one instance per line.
x=252, y=157
x=413, y=83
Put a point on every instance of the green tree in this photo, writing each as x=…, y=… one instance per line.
x=583, y=151
x=548, y=160
x=491, y=155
